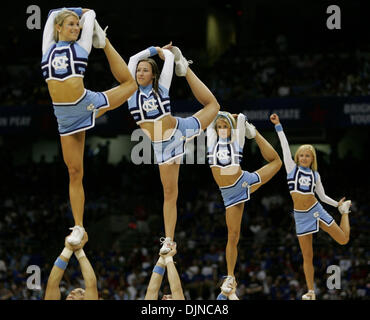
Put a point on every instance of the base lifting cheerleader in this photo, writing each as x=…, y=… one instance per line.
x=64, y=63
x=165, y=262
x=90, y=292
x=309, y=215
x=225, y=142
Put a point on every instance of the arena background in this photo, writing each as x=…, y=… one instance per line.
x=257, y=57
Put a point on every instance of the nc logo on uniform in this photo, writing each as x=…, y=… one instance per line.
x=304, y=181
x=150, y=105
x=223, y=155
x=60, y=62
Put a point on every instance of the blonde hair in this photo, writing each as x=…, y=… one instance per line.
x=308, y=147
x=59, y=20
x=227, y=117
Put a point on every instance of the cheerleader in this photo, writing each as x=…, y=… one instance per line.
x=64, y=63
x=304, y=182
x=150, y=107
x=225, y=142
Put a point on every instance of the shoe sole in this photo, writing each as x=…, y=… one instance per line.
x=177, y=53
x=346, y=206
x=164, y=251
x=98, y=43
x=73, y=243
x=99, y=37
x=226, y=290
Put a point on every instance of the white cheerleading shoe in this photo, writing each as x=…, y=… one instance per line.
x=99, y=36
x=344, y=207
x=76, y=236
x=228, y=296
x=166, y=243
x=310, y=295
x=233, y=296
x=250, y=130
x=181, y=64
x=228, y=285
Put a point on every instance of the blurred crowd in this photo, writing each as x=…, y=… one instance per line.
x=238, y=74
x=123, y=218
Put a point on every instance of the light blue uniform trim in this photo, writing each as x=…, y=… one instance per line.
x=76, y=10
x=153, y=51
x=79, y=115
x=278, y=127
x=239, y=191
x=307, y=222
x=174, y=147
x=221, y=297
x=61, y=264
x=159, y=270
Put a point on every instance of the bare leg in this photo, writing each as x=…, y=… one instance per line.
x=305, y=243
x=270, y=155
x=73, y=151
x=339, y=233
x=118, y=95
x=169, y=176
x=205, y=98
x=117, y=65
x=234, y=216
